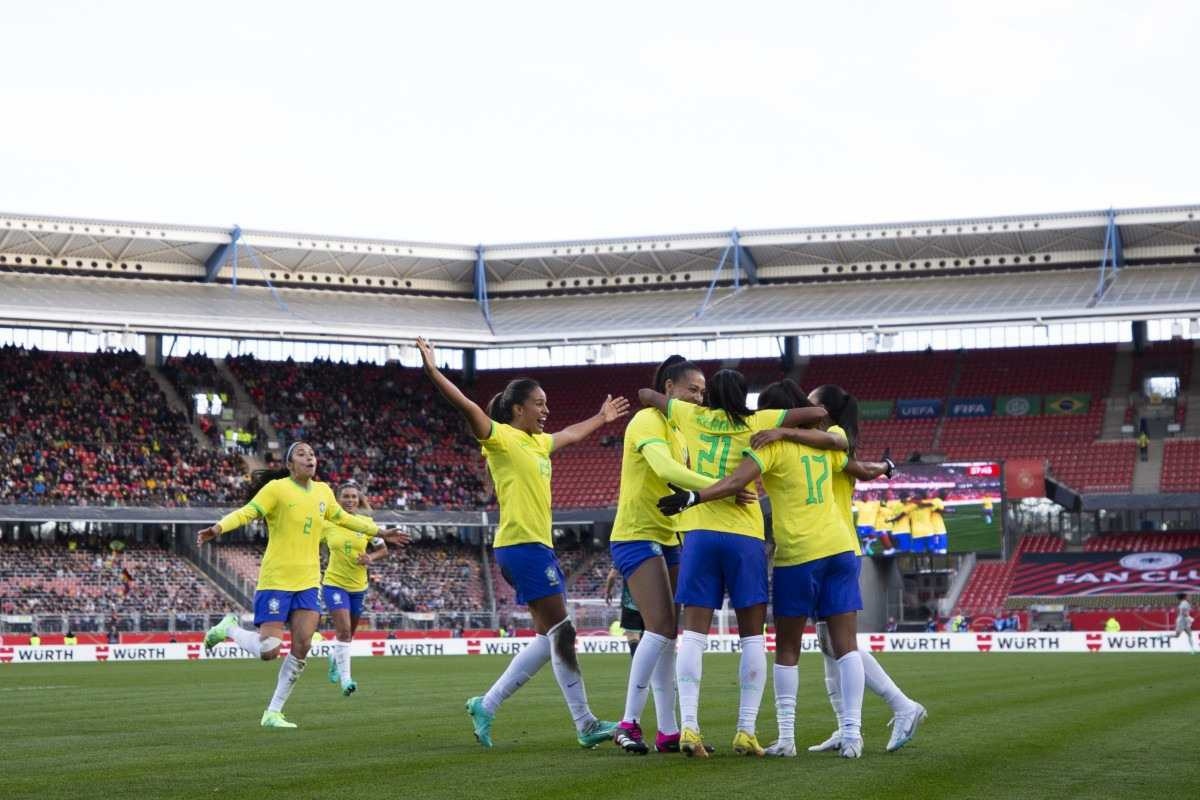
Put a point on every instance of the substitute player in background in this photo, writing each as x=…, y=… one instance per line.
x=1183, y=621
x=344, y=587
x=517, y=449
x=296, y=508
x=724, y=550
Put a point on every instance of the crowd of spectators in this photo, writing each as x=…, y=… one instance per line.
x=96, y=430
x=100, y=580
x=381, y=425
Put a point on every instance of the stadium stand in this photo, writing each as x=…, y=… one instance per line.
x=383, y=426
x=96, y=430
x=56, y=578
x=1181, y=465
x=990, y=581
x=1142, y=542
x=1171, y=357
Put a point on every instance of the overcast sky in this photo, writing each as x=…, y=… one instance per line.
x=501, y=122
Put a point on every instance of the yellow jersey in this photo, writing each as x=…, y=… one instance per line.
x=882, y=516
x=805, y=517
x=638, y=517
x=343, y=569
x=296, y=517
x=519, y=463
x=922, y=521
x=843, y=494
x=903, y=510
x=718, y=446
x=987, y=504
x=936, y=509
x=868, y=510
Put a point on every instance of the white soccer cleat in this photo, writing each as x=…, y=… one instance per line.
x=834, y=742
x=782, y=749
x=904, y=726
x=851, y=748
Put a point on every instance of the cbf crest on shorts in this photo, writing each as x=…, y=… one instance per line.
x=337, y=597
x=552, y=576
x=273, y=604
x=656, y=548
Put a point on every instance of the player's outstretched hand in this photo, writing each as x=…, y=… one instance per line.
x=614, y=408
x=396, y=536
x=677, y=501
x=746, y=496
x=427, y=354
x=763, y=438
x=208, y=534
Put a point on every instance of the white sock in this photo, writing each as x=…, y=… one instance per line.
x=850, y=673
x=879, y=682
x=645, y=660
x=752, y=678
x=341, y=657
x=247, y=640
x=567, y=673
x=289, y=672
x=523, y=666
x=787, y=684
x=662, y=682
x=688, y=670
x=833, y=685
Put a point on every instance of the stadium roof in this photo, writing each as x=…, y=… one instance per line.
x=143, y=277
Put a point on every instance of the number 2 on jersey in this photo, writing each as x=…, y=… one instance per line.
x=816, y=491
x=709, y=455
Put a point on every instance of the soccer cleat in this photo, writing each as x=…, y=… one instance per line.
x=220, y=632
x=834, y=742
x=348, y=688
x=628, y=737
x=851, y=748
x=666, y=742
x=904, y=726
x=746, y=744
x=596, y=732
x=691, y=745
x=782, y=749
x=274, y=719
x=481, y=720
x=333, y=670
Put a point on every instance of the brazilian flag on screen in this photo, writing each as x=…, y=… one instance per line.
x=1068, y=403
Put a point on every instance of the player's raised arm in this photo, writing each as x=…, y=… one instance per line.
x=821, y=440
x=870, y=470
x=611, y=410
x=258, y=508
x=481, y=424
x=653, y=399
x=747, y=471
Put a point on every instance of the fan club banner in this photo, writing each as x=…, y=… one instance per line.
x=1067, y=574
x=1068, y=642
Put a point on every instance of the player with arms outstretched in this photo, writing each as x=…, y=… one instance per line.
x=517, y=449
x=296, y=508
x=723, y=550
x=344, y=587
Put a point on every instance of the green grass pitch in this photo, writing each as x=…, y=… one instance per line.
x=1036, y=726
x=968, y=531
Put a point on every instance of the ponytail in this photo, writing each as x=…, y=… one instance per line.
x=500, y=407
x=843, y=410
x=727, y=392
x=261, y=477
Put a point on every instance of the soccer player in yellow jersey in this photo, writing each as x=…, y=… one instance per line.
x=344, y=587
x=987, y=510
x=723, y=549
x=900, y=516
x=645, y=550
x=937, y=512
x=921, y=521
x=517, y=449
x=296, y=508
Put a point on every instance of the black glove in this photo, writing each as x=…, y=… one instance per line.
x=891, y=466
x=677, y=501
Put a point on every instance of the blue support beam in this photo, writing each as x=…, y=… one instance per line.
x=1113, y=258
x=215, y=261
x=481, y=295
x=743, y=261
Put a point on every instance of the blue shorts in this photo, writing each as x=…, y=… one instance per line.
x=865, y=530
x=336, y=598
x=628, y=556
x=532, y=569
x=714, y=563
x=274, y=605
x=902, y=542
x=817, y=589
x=922, y=544
x=941, y=543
